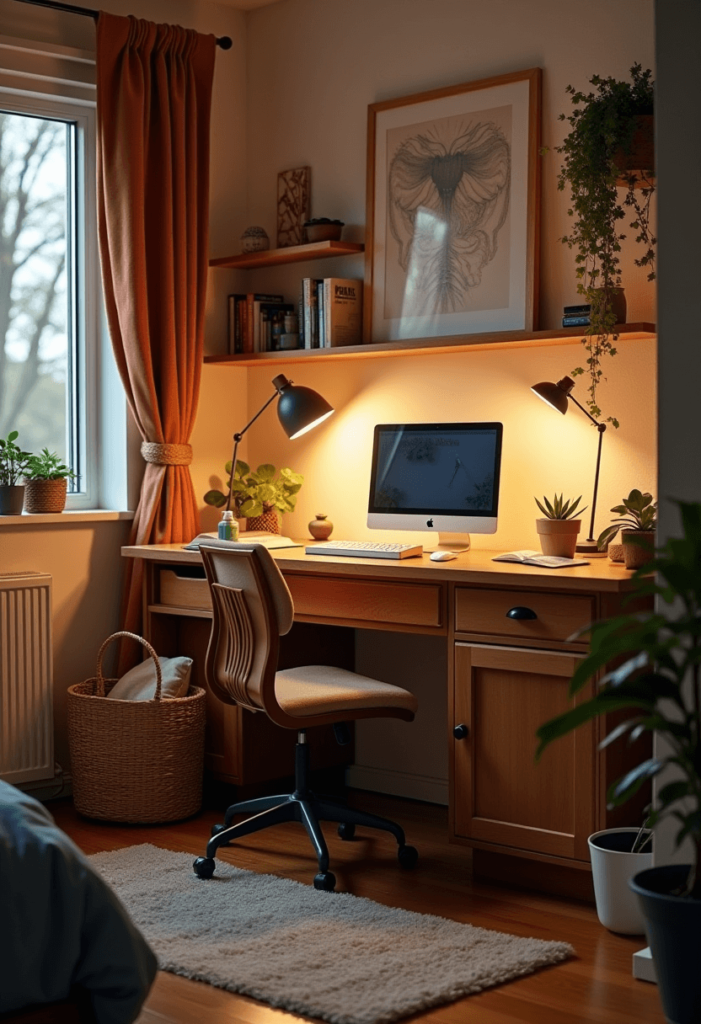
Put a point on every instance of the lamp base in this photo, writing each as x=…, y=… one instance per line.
x=590, y=549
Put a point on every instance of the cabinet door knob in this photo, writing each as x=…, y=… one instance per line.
x=460, y=732
x=521, y=612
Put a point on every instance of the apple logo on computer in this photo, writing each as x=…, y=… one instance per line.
x=429, y=522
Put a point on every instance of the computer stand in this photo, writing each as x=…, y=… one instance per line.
x=457, y=542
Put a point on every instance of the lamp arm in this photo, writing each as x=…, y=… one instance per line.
x=237, y=438
x=586, y=412
x=601, y=427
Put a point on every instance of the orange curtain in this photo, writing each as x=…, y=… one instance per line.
x=154, y=88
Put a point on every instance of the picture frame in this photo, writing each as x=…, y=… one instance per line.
x=453, y=210
x=294, y=190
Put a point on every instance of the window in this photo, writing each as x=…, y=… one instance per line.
x=49, y=281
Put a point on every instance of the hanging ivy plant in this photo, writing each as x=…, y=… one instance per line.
x=603, y=129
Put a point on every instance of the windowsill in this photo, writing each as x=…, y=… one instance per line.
x=87, y=515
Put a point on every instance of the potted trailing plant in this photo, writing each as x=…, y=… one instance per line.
x=558, y=530
x=606, y=125
x=13, y=463
x=637, y=521
x=659, y=684
x=46, y=483
x=260, y=496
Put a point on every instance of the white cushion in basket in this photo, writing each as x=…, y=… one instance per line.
x=139, y=683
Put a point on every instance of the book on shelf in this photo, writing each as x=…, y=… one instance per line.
x=536, y=558
x=310, y=312
x=272, y=317
x=583, y=309
x=248, y=319
x=343, y=311
x=576, y=321
x=234, y=340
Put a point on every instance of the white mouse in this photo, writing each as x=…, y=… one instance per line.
x=442, y=556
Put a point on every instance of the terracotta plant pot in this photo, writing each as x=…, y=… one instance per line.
x=269, y=521
x=638, y=547
x=45, y=495
x=558, y=536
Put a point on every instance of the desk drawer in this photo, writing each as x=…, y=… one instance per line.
x=359, y=602
x=485, y=612
x=180, y=591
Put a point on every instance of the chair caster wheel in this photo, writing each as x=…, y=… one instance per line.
x=204, y=867
x=346, y=830
x=325, y=880
x=408, y=856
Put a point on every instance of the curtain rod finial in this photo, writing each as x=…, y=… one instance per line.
x=224, y=42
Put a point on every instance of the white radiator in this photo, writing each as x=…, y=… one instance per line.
x=26, y=690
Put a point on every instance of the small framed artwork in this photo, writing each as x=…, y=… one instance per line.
x=453, y=209
x=294, y=189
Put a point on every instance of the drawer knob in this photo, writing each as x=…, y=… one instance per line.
x=460, y=732
x=521, y=612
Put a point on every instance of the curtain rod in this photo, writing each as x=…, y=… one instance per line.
x=224, y=42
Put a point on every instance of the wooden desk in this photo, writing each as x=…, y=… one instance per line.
x=506, y=677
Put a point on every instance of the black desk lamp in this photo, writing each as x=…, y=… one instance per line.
x=299, y=410
x=557, y=395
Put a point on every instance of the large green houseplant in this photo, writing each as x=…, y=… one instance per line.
x=604, y=127
x=659, y=684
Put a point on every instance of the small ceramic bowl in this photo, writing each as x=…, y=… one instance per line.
x=323, y=230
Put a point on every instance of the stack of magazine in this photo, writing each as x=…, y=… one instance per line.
x=330, y=312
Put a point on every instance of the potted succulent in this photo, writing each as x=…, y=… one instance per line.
x=46, y=483
x=558, y=530
x=609, y=127
x=260, y=496
x=637, y=521
x=657, y=679
x=13, y=464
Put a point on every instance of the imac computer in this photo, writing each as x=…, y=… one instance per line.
x=436, y=477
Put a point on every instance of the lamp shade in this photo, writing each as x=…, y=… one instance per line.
x=299, y=409
x=555, y=395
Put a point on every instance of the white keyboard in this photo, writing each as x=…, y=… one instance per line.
x=364, y=549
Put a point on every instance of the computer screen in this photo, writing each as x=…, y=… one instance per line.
x=435, y=476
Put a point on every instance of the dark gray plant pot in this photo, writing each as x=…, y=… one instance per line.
x=673, y=927
x=11, y=499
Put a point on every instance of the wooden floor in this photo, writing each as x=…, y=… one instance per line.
x=596, y=987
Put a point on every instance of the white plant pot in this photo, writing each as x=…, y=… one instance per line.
x=616, y=905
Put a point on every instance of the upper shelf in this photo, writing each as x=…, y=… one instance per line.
x=428, y=346
x=292, y=254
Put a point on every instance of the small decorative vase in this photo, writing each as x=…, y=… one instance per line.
x=255, y=239
x=615, y=553
x=321, y=528
x=638, y=547
x=45, y=495
x=558, y=536
x=11, y=499
x=268, y=521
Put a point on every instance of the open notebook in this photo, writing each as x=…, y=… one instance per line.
x=536, y=558
x=268, y=540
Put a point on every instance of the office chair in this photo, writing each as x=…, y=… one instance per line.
x=252, y=607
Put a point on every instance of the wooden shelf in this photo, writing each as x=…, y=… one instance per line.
x=430, y=346
x=292, y=254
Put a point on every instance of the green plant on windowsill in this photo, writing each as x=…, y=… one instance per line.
x=13, y=461
x=47, y=466
x=255, y=493
x=603, y=129
x=559, y=508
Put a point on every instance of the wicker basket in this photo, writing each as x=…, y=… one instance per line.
x=135, y=761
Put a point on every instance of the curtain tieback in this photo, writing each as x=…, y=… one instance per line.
x=167, y=454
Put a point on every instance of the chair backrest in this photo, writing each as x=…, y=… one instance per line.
x=251, y=608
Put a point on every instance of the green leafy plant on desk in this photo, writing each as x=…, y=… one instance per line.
x=255, y=493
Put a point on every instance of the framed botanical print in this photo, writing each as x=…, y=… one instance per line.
x=453, y=190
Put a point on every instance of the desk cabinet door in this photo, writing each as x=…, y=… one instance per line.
x=501, y=796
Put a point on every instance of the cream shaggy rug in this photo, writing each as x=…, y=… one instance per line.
x=334, y=956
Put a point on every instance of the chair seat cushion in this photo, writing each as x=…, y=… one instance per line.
x=322, y=689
